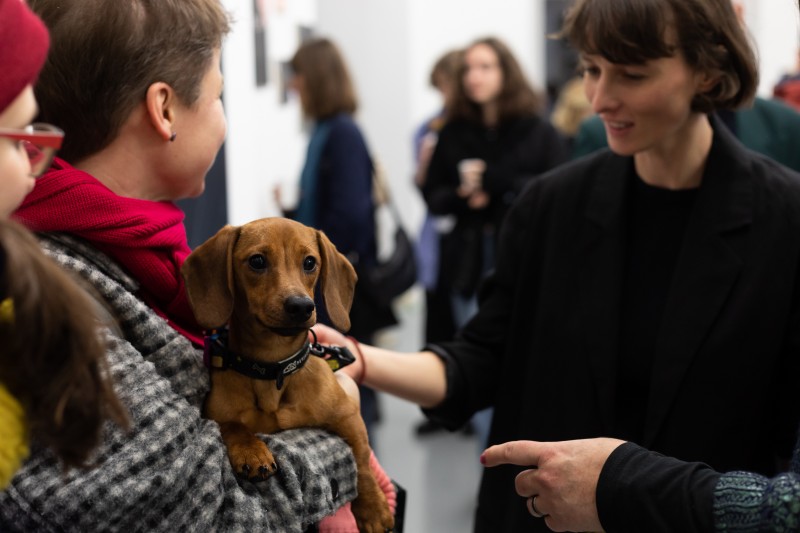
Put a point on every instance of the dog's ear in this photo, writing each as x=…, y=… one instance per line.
x=338, y=281
x=209, y=278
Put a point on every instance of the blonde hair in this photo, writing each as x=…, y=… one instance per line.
x=571, y=108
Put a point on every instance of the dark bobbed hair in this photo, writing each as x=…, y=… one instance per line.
x=329, y=89
x=53, y=357
x=106, y=53
x=517, y=98
x=707, y=33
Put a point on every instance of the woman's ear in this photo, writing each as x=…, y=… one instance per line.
x=160, y=102
x=706, y=81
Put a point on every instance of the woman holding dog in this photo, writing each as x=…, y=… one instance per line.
x=51, y=344
x=143, y=117
x=648, y=292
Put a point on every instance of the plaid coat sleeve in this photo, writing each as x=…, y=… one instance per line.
x=170, y=472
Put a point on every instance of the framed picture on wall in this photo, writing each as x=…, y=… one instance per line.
x=286, y=78
x=260, y=41
x=305, y=33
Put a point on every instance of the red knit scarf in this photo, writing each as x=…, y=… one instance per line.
x=147, y=238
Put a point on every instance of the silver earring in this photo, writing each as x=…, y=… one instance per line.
x=172, y=137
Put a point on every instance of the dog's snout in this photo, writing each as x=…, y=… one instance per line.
x=299, y=308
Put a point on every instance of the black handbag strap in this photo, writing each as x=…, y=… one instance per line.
x=382, y=194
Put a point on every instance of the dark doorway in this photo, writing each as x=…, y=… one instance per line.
x=561, y=59
x=206, y=214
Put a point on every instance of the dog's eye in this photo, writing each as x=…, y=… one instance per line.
x=309, y=263
x=258, y=262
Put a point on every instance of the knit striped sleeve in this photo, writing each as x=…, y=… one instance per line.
x=746, y=503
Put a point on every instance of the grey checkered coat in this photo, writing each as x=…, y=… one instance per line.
x=171, y=472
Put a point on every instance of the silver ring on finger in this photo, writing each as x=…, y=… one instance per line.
x=536, y=513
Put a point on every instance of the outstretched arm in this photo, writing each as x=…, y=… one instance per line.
x=418, y=377
x=586, y=485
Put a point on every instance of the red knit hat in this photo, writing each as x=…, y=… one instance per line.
x=23, y=49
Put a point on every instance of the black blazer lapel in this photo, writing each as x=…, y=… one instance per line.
x=601, y=250
x=707, y=270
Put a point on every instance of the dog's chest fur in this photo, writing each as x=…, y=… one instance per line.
x=265, y=397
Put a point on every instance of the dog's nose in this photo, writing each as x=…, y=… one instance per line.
x=299, y=308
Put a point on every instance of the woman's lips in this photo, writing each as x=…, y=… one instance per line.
x=618, y=127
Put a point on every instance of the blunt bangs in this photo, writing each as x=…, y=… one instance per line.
x=622, y=31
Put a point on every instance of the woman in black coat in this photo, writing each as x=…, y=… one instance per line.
x=493, y=143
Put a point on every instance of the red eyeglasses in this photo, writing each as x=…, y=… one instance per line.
x=41, y=141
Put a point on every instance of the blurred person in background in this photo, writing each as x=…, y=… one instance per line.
x=571, y=109
x=439, y=323
x=494, y=143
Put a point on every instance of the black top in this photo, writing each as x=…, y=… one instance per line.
x=657, y=221
x=515, y=152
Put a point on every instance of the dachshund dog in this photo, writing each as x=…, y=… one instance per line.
x=52, y=358
x=259, y=279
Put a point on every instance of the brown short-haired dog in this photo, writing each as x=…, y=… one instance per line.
x=259, y=279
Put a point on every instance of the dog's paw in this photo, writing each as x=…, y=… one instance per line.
x=253, y=461
x=373, y=518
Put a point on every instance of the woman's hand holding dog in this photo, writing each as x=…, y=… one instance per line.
x=348, y=375
x=328, y=335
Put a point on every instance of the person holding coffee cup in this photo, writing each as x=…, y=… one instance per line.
x=471, y=173
x=493, y=143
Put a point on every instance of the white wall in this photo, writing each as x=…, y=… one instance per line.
x=265, y=144
x=773, y=25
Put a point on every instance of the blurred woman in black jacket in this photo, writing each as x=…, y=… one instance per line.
x=493, y=143
x=496, y=136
